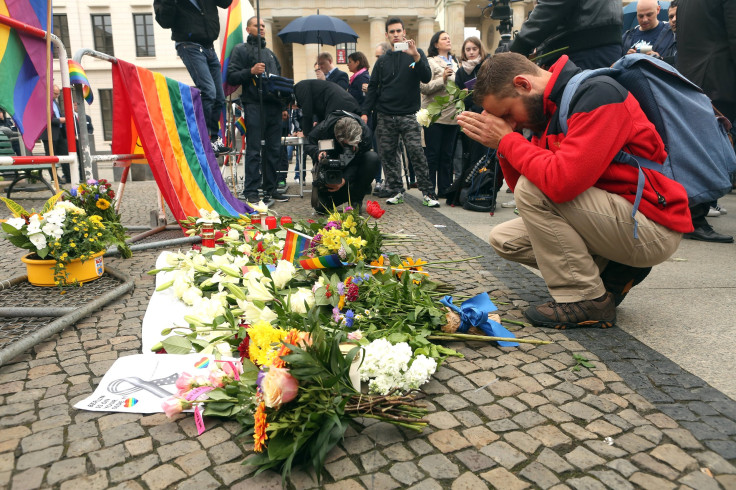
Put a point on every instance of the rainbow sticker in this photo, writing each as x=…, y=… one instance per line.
x=129, y=402
x=202, y=363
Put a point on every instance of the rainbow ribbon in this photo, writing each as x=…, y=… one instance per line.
x=78, y=76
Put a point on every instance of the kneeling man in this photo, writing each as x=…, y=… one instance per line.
x=346, y=164
x=574, y=201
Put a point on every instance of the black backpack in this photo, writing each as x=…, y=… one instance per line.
x=481, y=185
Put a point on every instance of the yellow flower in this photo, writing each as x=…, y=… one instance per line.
x=72, y=244
x=378, y=263
x=76, y=228
x=264, y=342
x=92, y=240
x=102, y=203
x=99, y=234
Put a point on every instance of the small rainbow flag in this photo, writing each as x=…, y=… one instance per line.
x=238, y=12
x=78, y=76
x=129, y=402
x=294, y=244
x=202, y=363
x=240, y=125
x=325, y=262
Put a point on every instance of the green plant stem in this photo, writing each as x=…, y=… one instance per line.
x=465, y=336
x=513, y=322
x=450, y=261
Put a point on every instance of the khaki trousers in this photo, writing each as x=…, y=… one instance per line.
x=571, y=242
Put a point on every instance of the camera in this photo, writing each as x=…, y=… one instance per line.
x=401, y=46
x=329, y=171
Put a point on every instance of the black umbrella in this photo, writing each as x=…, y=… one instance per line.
x=318, y=29
x=630, y=14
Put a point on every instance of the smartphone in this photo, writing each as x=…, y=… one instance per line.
x=401, y=46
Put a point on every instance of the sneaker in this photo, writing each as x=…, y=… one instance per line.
x=219, y=147
x=385, y=193
x=282, y=186
x=378, y=188
x=713, y=212
x=397, y=199
x=268, y=201
x=430, y=200
x=277, y=196
x=618, y=279
x=720, y=209
x=510, y=204
x=252, y=199
x=599, y=313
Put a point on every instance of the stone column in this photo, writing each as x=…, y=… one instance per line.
x=268, y=23
x=425, y=32
x=520, y=10
x=378, y=34
x=455, y=23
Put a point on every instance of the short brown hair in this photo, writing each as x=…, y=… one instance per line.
x=324, y=56
x=360, y=58
x=496, y=76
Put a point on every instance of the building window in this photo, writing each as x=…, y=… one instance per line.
x=344, y=50
x=102, y=30
x=61, y=29
x=143, y=24
x=105, y=95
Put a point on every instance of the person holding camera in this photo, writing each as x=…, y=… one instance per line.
x=342, y=147
x=319, y=98
x=440, y=136
x=263, y=113
x=393, y=93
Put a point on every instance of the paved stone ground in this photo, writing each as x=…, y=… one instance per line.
x=499, y=418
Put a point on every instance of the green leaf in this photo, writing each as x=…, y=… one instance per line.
x=14, y=207
x=177, y=345
x=280, y=446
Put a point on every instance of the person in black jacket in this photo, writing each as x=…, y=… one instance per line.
x=352, y=146
x=195, y=26
x=587, y=31
x=317, y=98
x=393, y=93
x=263, y=113
x=358, y=66
x=327, y=71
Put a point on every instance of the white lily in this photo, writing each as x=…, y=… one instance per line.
x=257, y=290
x=284, y=272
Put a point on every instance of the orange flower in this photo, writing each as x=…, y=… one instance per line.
x=378, y=263
x=259, y=435
x=291, y=338
x=413, y=266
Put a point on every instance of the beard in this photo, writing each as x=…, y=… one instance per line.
x=537, y=120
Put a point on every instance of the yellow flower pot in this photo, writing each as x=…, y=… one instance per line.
x=41, y=272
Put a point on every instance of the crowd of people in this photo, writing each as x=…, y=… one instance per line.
x=576, y=203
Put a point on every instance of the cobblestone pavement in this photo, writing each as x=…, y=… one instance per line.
x=508, y=418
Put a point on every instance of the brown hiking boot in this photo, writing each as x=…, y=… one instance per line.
x=600, y=313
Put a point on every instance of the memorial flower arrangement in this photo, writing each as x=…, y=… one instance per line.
x=347, y=234
x=97, y=198
x=61, y=231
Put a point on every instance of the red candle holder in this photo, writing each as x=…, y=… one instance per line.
x=285, y=220
x=270, y=222
x=208, y=236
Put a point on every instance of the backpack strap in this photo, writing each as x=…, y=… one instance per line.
x=563, y=112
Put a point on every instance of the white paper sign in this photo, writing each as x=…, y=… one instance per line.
x=140, y=383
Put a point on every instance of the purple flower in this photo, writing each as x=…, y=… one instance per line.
x=348, y=209
x=340, y=288
x=357, y=279
x=332, y=225
x=316, y=240
x=336, y=314
x=349, y=318
x=73, y=192
x=91, y=181
x=259, y=379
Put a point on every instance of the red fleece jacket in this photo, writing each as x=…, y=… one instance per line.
x=604, y=118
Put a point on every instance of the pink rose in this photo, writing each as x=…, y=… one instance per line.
x=185, y=381
x=172, y=406
x=231, y=368
x=278, y=387
x=216, y=378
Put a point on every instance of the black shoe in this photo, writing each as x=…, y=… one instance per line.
x=706, y=233
x=268, y=201
x=385, y=193
x=619, y=279
x=253, y=199
x=219, y=147
x=599, y=313
x=412, y=185
x=277, y=196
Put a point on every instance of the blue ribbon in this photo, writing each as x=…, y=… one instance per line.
x=474, y=313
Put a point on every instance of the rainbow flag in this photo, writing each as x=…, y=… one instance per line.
x=240, y=125
x=166, y=117
x=78, y=76
x=23, y=62
x=233, y=36
x=325, y=262
x=294, y=244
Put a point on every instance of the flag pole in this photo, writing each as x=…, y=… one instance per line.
x=49, y=62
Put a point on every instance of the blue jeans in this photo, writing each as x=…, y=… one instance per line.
x=204, y=68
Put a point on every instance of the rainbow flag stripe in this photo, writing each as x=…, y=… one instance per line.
x=294, y=244
x=325, y=262
x=78, y=76
x=240, y=125
x=166, y=117
x=233, y=36
x=23, y=69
